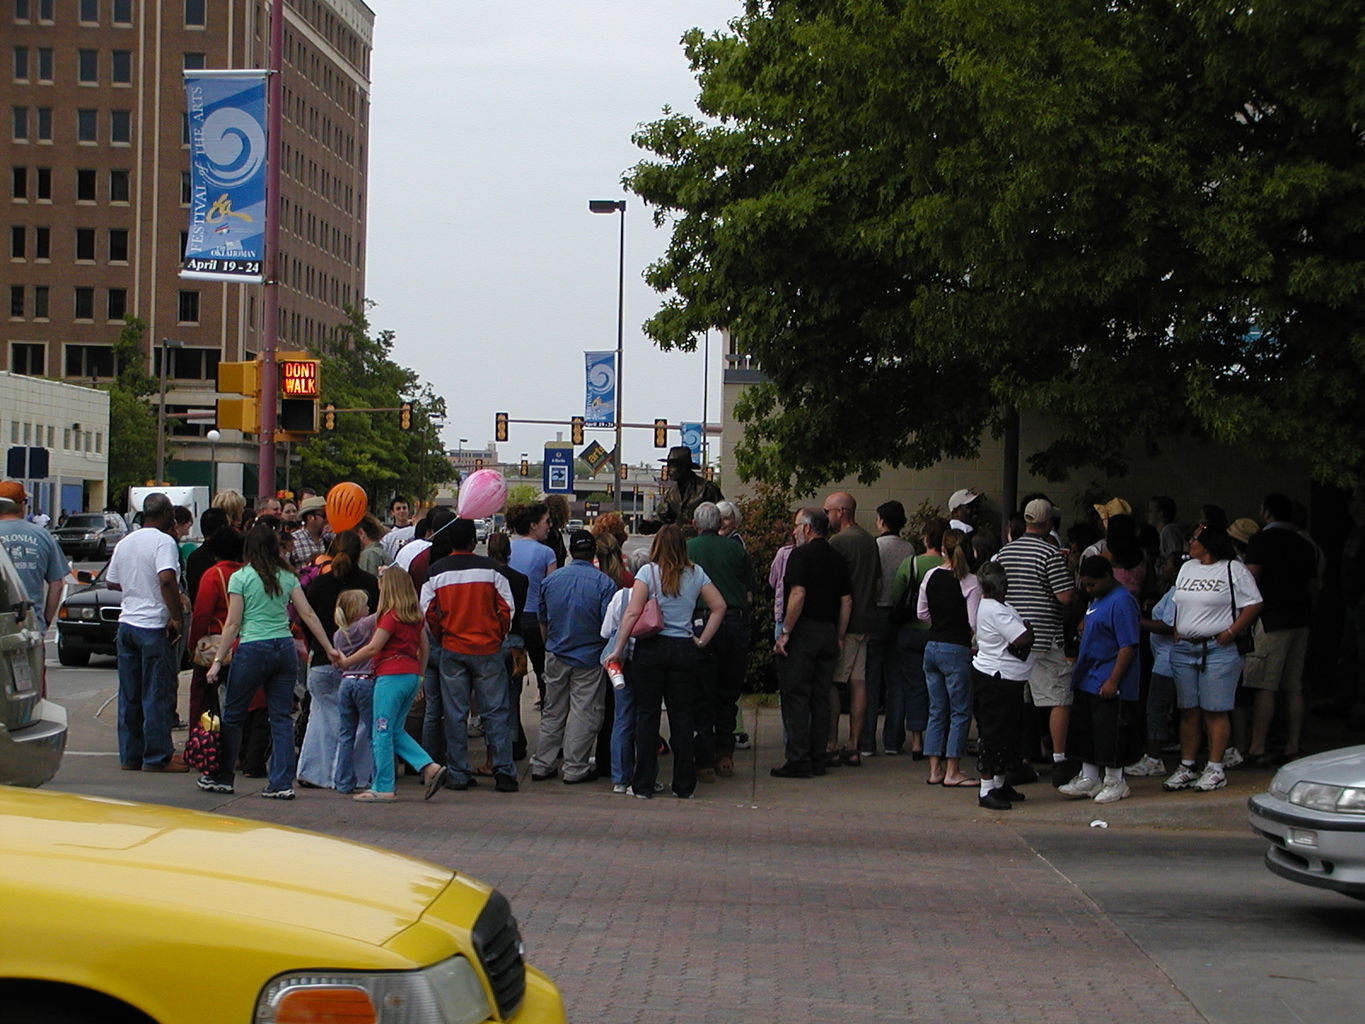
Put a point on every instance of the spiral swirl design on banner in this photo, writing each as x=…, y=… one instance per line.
x=233, y=147
x=601, y=380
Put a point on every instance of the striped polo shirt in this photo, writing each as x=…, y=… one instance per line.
x=1036, y=573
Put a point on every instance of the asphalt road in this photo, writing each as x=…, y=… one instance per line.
x=865, y=895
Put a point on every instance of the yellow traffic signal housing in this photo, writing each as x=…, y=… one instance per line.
x=329, y=416
x=623, y=472
x=500, y=426
x=238, y=414
x=525, y=467
x=405, y=416
x=577, y=427
x=239, y=378
x=661, y=433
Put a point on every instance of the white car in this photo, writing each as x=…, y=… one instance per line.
x=1314, y=817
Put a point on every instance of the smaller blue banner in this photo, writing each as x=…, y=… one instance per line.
x=600, y=408
x=691, y=436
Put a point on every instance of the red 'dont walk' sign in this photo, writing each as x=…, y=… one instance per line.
x=299, y=378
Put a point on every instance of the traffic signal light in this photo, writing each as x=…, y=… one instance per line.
x=500, y=426
x=661, y=433
x=623, y=471
x=239, y=413
x=525, y=467
x=329, y=416
x=478, y=464
x=405, y=416
x=577, y=424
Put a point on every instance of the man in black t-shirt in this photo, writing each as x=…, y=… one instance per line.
x=819, y=600
x=1285, y=567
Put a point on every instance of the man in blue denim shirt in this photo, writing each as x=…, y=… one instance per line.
x=573, y=602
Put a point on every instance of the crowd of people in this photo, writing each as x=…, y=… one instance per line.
x=332, y=656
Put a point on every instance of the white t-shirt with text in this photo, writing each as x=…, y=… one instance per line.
x=1203, y=608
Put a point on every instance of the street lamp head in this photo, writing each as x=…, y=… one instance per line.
x=607, y=205
x=213, y=436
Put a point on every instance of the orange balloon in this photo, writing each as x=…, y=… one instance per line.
x=346, y=506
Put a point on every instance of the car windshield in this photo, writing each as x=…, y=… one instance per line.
x=86, y=522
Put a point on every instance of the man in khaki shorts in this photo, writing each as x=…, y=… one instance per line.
x=1039, y=585
x=859, y=552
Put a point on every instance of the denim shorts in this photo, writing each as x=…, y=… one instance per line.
x=1205, y=674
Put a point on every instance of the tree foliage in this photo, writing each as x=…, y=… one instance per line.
x=369, y=448
x=132, y=419
x=1140, y=217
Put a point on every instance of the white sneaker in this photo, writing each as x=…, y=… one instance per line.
x=1080, y=786
x=1113, y=792
x=1232, y=757
x=1213, y=778
x=1183, y=777
x=1146, y=767
x=620, y=787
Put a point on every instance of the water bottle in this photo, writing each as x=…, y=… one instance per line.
x=616, y=674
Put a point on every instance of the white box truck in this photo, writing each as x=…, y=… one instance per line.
x=196, y=499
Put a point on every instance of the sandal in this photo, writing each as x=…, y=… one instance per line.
x=851, y=758
x=435, y=781
x=369, y=796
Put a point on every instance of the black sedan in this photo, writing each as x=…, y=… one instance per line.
x=87, y=622
x=91, y=534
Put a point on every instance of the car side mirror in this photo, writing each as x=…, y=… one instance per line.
x=85, y=576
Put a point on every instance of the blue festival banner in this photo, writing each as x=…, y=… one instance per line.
x=600, y=409
x=226, y=111
x=691, y=436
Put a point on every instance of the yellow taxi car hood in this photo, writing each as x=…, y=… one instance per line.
x=154, y=856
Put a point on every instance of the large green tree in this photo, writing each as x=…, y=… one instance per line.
x=370, y=448
x=132, y=418
x=1142, y=217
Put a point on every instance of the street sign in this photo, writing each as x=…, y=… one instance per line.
x=23, y=463
x=595, y=456
x=557, y=474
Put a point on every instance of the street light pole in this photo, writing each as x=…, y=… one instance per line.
x=166, y=346
x=213, y=437
x=617, y=206
x=705, y=396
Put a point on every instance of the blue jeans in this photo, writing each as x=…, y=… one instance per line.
x=623, y=733
x=274, y=665
x=355, y=720
x=433, y=714
x=318, y=755
x=146, y=683
x=910, y=662
x=948, y=676
x=1205, y=674
x=393, y=697
x=485, y=675
x=883, y=677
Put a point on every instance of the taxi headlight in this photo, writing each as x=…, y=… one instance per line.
x=446, y=993
x=1320, y=796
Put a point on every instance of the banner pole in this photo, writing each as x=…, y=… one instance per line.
x=270, y=297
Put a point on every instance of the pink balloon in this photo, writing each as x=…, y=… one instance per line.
x=482, y=493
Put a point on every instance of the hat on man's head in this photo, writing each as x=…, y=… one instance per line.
x=1114, y=507
x=679, y=454
x=1243, y=529
x=582, y=544
x=318, y=505
x=1039, y=510
x=965, y=496
x=12, y=493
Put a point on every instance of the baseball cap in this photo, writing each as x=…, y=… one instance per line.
x=965, y=496
x=12, y=493
x=1039, y=510
x=581, y=542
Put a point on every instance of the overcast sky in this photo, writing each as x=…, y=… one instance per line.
x=492, y=125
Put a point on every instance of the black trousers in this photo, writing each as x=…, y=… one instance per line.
x=805, y=680
x=666, y=668
x=1096, y=732
x=999, y=720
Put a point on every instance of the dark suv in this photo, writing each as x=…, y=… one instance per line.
x=32, y=730
x=91, y=534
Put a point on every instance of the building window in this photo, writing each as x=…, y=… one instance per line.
x=21, y=63
x=88, y=67
x=90, y=12
x=185, y=189
x=16, y=301
x=20, y=132
x=85, y=185
x=120, y=127
x=45, y=64
x=19, y=183
x=27, y=358
x=87, y=125
x=21, y=10
x=42, y=243
x=18, y=238
x=44, y=189
x=40, y=302
x=84, y=303
x=193, y=62
x=118, y=186
x=188, y=364
x=184, y=243
x=85, y=244
x=121, y=67
x=43, y=125
x=118, y=245
x=117, y=305
x=45, y=10
x=194, y=13
x=123, y=12
x=189, y=307
x=89, y=361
